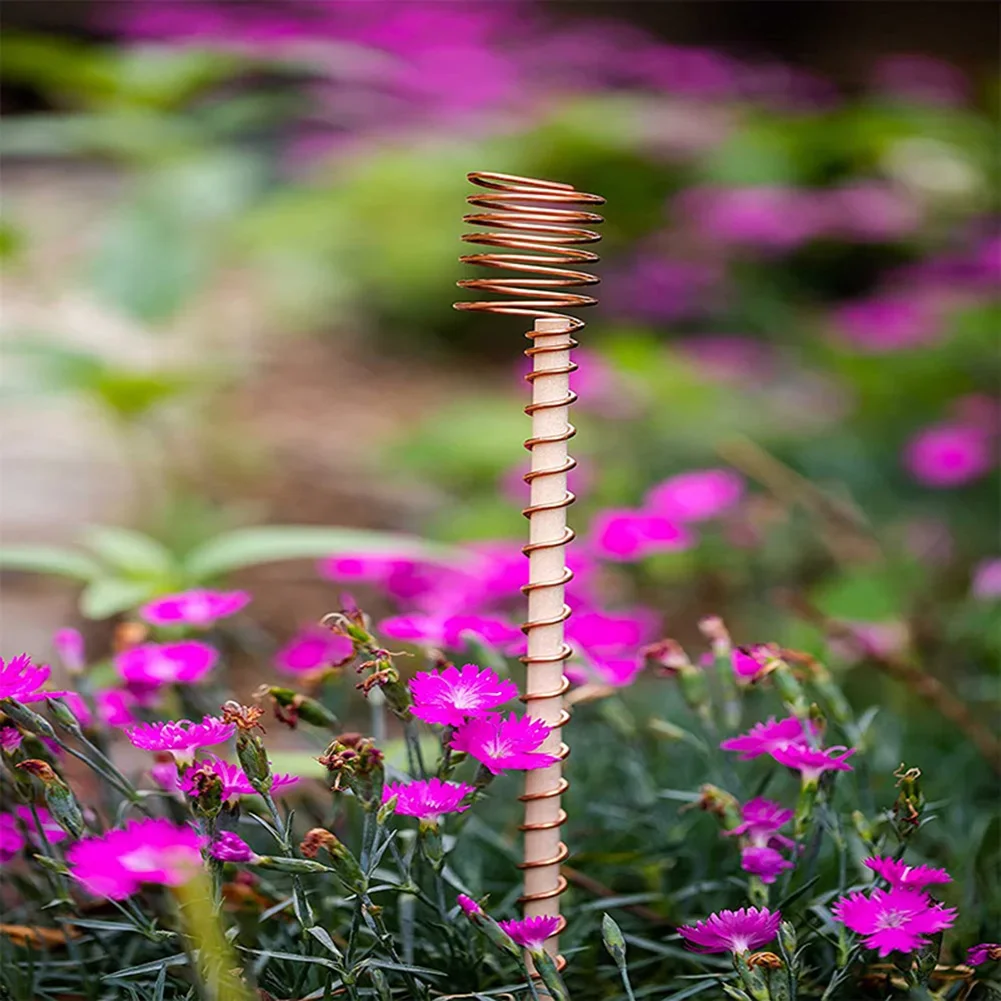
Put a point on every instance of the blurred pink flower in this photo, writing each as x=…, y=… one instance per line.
x=500, y=744
x=978, y=410
x=54, y=834
x=197, y=607
x=233, y=778
x=609, y=645
x=657, y=289
x=987, y=579
x=626, y=534
x=314, y=648
x=888, y=323
x=451, y=696
x=765, y=737
x=949, y=455
x=811, y=762
x=766, y=218
x=10, y=738
x=114, y=707
x=11, y=839
x=69, y=646
x=870, y=211
x=447, y=630
x=921, y=78
x=893, y=920
x=158, y=664
x=764, y=862
x=729, y=358
x=696, y=495
x=181, y=737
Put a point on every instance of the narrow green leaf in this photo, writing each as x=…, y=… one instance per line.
x=108, y=596
x=50, y=560
x=128, y=550
x=178, y=959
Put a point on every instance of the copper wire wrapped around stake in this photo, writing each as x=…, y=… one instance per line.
x=540, y=229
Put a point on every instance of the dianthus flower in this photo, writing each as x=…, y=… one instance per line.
x=181, y=737
x=448, y=630
x=144, y=851
x=764, y=862
x=893, y=920
x=114, y=707
x=22, y=680
x=982, y=953
x=427, y=799
x=312, y=649
x=453, y=696
x=761, y=820
x=194, y=608
x=531, y=933
x=70, y=647
x=748, y=663
x=469, y=906
x=696, y=495
x=230, y=847
x=499, y=743
x=624, y=534
x=10, y=738
x=733, y=931
x=233, y=778
x=811, y=763
x=155, y=664
x=53, y=832
x=765, y=737
x=11, y=839
x=901, y=876
x=949, y=455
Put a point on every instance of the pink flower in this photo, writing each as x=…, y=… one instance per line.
x=901, y=876
x=69, y=646
x=887, y=323
x=979, y=954
x=53, y=832
x=775, y=219
x=625, y=535
x=114, y=707
x=610, y=644
x=233, y=778
x=194, y=608
x=659, y=290
x=452, y=696
x=728, y=358
x=870, y=211
x=156, y=664
x=764, y=862
x=893, y=920
x=314, y=648
x=987, y=580
x=531, y=933
x=427, y=799
x=22, y=680
x=812, y=763
x=11, y=839
x=499, y=743
x=230, y=847
x=10, y=738
x=469, y=906
x=181, y=737
x=144, y=851
x=949, y=455
x=447, y=630
x=696, y=495
x=733, y=931
x=764, y=738
x=761, y=820
x=747, y=663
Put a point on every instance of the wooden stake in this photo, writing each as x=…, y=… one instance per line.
x=546, y=604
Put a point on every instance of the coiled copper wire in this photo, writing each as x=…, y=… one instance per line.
x=536, y=220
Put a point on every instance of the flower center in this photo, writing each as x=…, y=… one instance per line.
x=893, y=919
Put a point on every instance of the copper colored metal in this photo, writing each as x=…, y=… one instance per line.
x=540, y=227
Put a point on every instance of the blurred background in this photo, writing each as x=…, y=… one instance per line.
x=230, y=235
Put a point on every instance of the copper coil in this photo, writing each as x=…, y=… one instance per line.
x=540, y=227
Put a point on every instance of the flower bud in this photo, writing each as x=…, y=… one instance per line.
x=787, y=939
x=289, y=707
x=295, y=865
x=52, y=864
x=64, y=716
x=346, y=865
x=59, y=797
x=431, y=846
x=254, y=760
x=721, y=804
x=863, y=828
x=380, y=984
x=386, y=810
x=356, y=763
x=27, y=718
x=546, y=968
x=615, y=943
x=910, y=800
x=753, y=978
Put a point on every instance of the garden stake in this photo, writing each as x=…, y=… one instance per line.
x=524, y=214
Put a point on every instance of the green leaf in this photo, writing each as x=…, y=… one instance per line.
x=865, y=596
x=273, y=543
x=107, y=596
x=125, y=549
x=50, y=560
x=178, y=959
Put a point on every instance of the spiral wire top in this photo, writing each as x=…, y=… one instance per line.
x=537, y=222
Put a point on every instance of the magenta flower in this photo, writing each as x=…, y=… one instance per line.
x=696, y=495
x=233, y=778
x=949, y=455
x=447, y=630
x=181, y=737
x=531, y=933
x=901, y=876
x=469, y=906
x=69, y=646
x=733, y=931
x=230, y=847
x=427, y=799
x=764, y=738
x=728, y=358
x=452, y=696
x=11, y=839
x=776, y=219
x=10, y=738
x=982, y=953
x=156, y=664
x=624, y=534
x=870, y=211
x=197, y=607
x=987, y=580
x=887, y=323
x=763, y=862
x=893, y=920
x=499, y=743
x=811, y=762
x=312, y=649
x=144, y=851
x=114, y=707
x=22, y=680
x=747, y=663
x=761, y=820
x=53, y=832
